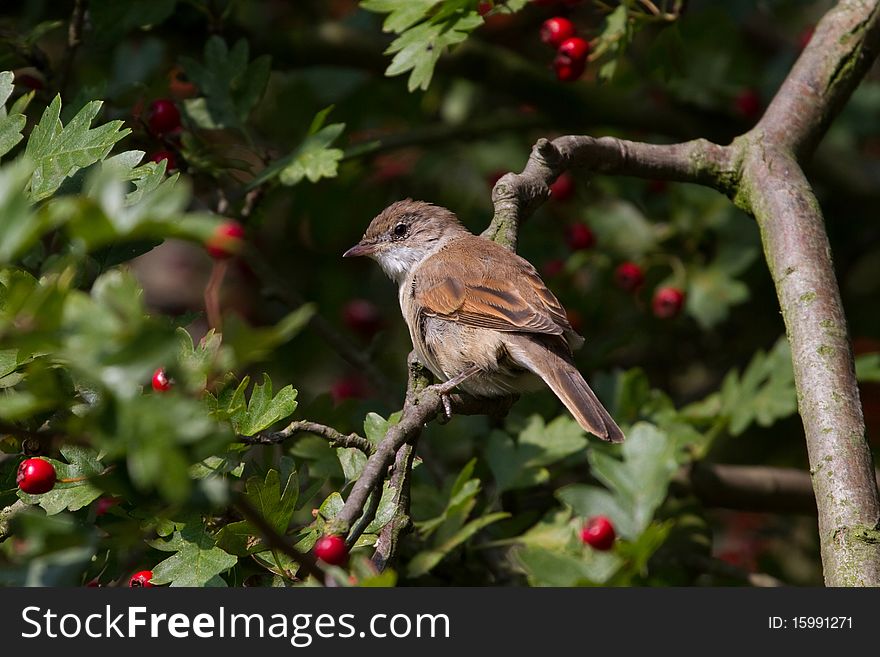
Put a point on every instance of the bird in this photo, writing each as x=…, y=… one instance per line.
x=480, y=317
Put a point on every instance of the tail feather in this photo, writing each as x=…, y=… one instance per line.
x=567, y=383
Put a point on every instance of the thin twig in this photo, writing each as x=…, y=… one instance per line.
x=212, y=294
x=307, y=563
x=74, y=39
x=334, y=437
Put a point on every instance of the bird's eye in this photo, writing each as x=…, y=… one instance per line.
x=400, y=230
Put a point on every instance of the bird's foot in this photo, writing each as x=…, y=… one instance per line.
x=444, y=389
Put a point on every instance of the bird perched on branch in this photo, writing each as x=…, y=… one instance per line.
x=479, y=316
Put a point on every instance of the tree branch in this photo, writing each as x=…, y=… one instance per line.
x=799, y=258
x=307, y=563
x=760, y=171
x=517, y=196
x=749, y=487
x=334, y=437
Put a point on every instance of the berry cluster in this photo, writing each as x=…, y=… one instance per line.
x=571, y=50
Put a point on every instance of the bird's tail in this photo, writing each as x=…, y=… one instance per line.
x=566, y=383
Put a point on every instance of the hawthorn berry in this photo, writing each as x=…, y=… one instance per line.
x=579, y=237
x=36, y=476
x=563, y=188
x=556, y=30
x=161, y=382
x=567, y=71
x=226, y=240
x=598, y=533
x=484, y=8
x=168, y=156
x=362, y=317
x=629, y=276
x=164, y=117
x=141, y=580
x=331, y=549
x=574, y=49
x=667, y=302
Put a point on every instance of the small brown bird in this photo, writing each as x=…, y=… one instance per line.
x=479, y=316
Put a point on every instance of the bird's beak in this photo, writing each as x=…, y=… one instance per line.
x=359, y=249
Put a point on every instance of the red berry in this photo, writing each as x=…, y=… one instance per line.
x=574, y=49
x=161, y=382
x=748, y=104
x=598, y=533
x=226, y=240
x=331, y=550
x=484, y=8
x=568, y=71
x=556, y=30
x=141, y=579
x=579, y=237
x=629, y=276
x=350, y=387
x=667, y=302
x=563, y=188
x=362, y=317
x=168, y=156
x=164, y=116
x=36, y=476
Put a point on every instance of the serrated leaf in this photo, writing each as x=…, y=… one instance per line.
x=640, y=481
x=764, y=393
x=231, y=86
x=401, y=14
x=523, y=464
x=81, y=463
x=13, y=123
x=59, y=151
x=196, y=561
x=264, y=410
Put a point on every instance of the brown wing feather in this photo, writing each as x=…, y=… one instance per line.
x=488, y=287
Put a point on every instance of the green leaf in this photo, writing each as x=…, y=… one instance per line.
x=522, y=464
x=21, y=227
x=401, y=14
x=764, y=394
x=420, y=47
x=550, y=568
x=231, y=86
x=276, y=503
x=587, y=501
x=59, y=151
x=81, y=463
x=11, y=124
x=196, y=560
x=263, y=409
x=640, y=481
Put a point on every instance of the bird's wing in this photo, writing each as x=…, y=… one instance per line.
x=489, y=287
